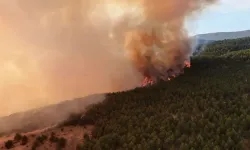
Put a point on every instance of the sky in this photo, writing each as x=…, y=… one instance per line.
x=225, y=16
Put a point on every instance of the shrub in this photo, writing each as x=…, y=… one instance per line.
x=86, y=137
x=17, y=137
x=53, y=138
x=9, y=144
x=41, y=138
x=61, y=143
x=35, y=145
x=79, y=147
x=24, y=140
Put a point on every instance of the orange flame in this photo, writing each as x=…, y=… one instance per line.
x=148, y=81
x=187, y=64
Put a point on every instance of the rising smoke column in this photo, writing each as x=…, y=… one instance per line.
x=155, y=39
x=52, y=50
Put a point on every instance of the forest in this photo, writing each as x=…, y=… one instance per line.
x=205, y=108
x=240, y=54
x=222, y=47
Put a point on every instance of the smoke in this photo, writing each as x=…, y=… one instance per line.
x=46, y=116
x=158, y=44
x=53, y=50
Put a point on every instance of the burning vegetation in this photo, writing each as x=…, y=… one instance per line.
x=147, y=81
x=153, y=35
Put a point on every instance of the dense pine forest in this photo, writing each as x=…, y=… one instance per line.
x=240, y=55
x=205, y=108
x=222, y=47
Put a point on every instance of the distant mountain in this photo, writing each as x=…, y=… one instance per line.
x=222, y=35
x=202, y=39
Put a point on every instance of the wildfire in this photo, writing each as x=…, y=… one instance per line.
x=149, y=81
x=187, y=64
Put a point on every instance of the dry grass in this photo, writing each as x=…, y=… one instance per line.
x=72, y=134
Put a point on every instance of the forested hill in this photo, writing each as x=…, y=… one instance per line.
x=201, y=40
x=222, y=47
x=240, y=55
x=206, y=108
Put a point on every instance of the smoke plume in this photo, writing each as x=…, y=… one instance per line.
x=52, y=50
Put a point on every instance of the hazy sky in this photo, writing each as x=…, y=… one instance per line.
x=227, y=15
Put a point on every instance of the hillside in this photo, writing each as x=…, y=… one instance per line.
x=47, y=139
x=218, y=48
x=46, y=116
x=223, y=35
x=240, y=55
x=199, y=41
x=205, y=108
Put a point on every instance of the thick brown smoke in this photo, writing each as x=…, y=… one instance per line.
x=158, y=44
x=52, y=50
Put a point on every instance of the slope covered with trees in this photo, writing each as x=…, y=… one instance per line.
x=218, y=48
x=206, y=108
x=240, y=55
